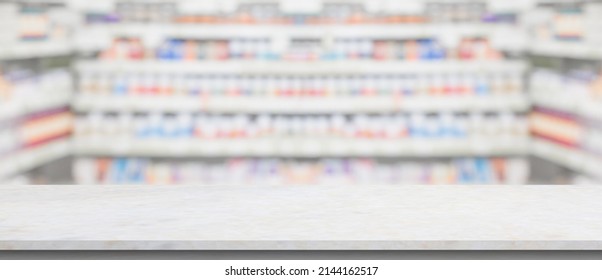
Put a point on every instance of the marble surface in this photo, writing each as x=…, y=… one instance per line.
x=316, y=217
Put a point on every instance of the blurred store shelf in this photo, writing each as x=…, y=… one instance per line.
x=578, y=50
x=30, y=158
x=567, y=157
x=28, y=50
x=299, y=147
x=592, y=167
x=24, y=107
x=562, y=1
x=586, y=109
x=285, y=105
x=385, y=7
x=93, y=37
x=571, y=158
x=316, y=67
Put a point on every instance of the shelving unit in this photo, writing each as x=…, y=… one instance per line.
x=35, y=50
x=314, y=67
x=571, y=158
x=98, y=37
x=25, y=160
x=583, y=109
x=29, y=99
x=451, y=85
x=577, y=50
x=23, y=108
x=566, y=89
x=299, y=147
x=300, y=105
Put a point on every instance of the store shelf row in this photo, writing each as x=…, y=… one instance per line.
x=27, y=50
x=30, y=158
x=571, y=158
x=383, y=6
x=24, y=107
x=308, y=68
x=586, y=109
x=298, y=105
x=103, y=36
x=298, y=147
x=577, y=50
x=95, y=36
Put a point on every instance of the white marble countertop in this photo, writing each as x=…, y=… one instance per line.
x=318, y=217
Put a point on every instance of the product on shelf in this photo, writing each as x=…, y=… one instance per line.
x=300, y=50
x=576, y=86
x=26, y=86
x=35, y=130
x=32, y=142
x=568, y=22
x=144, y=84
x=45, y=127
x=275, y=13
x=129, y=11
x=26, y=22
x=298, y=172
x=386, y=126
x=23, y=92
x=572, y=132
x=557, y=127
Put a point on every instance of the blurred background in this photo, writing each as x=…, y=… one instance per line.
x=311, y=92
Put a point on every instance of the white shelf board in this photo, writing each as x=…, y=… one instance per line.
x=287, y=67
x=587, y=109
x=24, y=160
x=579, y=50
x=308, y=147
x=564, y=156
x=26, y=50
x=387, y=7
x=17, y=109
x=571, y=158
x=285, y=105
x=93, y=37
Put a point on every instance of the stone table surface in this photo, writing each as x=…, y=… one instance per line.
x=314, y=217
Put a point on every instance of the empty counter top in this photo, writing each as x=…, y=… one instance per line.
x=312, y=218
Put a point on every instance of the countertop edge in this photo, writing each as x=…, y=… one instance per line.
x=300, y=245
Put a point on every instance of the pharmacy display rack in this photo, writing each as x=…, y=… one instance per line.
x=173, y=80
x=34, y=119
x=566, y=86
x=158, y=79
